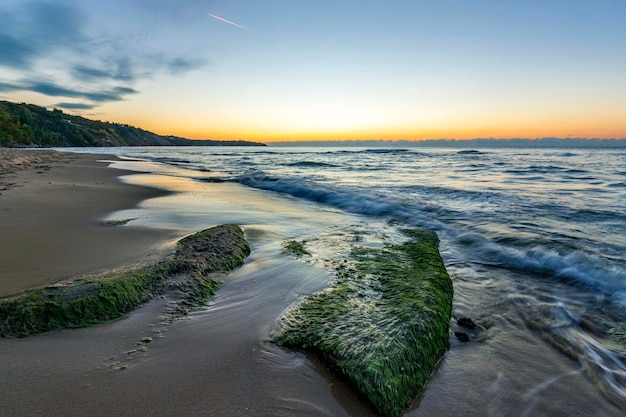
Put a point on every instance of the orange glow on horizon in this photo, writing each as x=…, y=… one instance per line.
x=263, y=128
x=268, y=136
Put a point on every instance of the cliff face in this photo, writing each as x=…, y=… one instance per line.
x=30, y=125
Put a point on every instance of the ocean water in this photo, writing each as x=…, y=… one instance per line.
x=534, y=240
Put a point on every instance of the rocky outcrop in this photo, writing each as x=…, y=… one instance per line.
x=190, y=271
x=383, y=324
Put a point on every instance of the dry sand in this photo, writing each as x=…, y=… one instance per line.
x=51, y=210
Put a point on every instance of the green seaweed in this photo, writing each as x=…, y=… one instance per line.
x=295, y=248
x=218, y=249
x=383, y=324
x=89, y=301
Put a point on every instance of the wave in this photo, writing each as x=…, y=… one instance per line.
x=576, y=336
x=168, y=160
x=374, y=151
x=311, y=164
x=349, y=201
x=470, y=152
x=544, y=170
x=386, y=151
x=573, y=267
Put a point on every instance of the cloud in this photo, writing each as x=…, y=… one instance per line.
x=181, y=65
x=15, y=53
x=7, y=87
x=75, y=106
x=107, y=71
x=27, y=33
x=85, y=73
x=58, y=43
x=129, y=69
x=55, y=90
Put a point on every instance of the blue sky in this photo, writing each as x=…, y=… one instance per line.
x=323, y=69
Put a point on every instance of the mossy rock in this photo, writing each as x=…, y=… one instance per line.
x=88, y=301
x=295, y=248
x=383, y=324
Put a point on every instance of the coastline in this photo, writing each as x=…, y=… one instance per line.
x=51, y=229
x=217, y=361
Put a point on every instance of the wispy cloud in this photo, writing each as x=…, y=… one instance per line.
x=75, y=106
x=16, y=53
x=228, y=21
x=55, y=90
x=182, y=65
x=94, y=68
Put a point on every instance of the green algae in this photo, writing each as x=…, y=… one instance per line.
x=87, y=301
x=384, y=322
x=295, y=248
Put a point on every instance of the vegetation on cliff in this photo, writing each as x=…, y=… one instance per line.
x=383, y=324
x=30, y=125
x=91, y=300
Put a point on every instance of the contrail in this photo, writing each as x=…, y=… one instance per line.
x=228, y=21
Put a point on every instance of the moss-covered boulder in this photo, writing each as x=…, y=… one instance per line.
x=295, y=248
x=91, y=300
x=383, y=324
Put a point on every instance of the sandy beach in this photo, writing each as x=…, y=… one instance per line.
x=51, y=210
x=217, y=361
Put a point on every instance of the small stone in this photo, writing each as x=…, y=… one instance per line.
x=462, y=336
x=146, y=339
x=466, y=322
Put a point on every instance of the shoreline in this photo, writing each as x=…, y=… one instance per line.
x=217, y=360
x=51, y=229
x=247, y=372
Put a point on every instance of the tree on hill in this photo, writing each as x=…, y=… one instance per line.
x=30, y=125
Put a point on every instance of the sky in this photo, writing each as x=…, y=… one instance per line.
x=276, y=70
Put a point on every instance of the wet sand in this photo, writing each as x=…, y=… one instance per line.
x=51, y=210
x=218, y=362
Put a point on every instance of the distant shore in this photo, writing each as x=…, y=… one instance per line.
x=51, y=226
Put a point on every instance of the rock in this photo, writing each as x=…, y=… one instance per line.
x=466, y=322
x=462, y=336
x=146, y=339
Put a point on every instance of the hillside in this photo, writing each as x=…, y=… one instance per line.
x=30, y=125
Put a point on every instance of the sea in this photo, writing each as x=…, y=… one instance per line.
x=534, y=240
